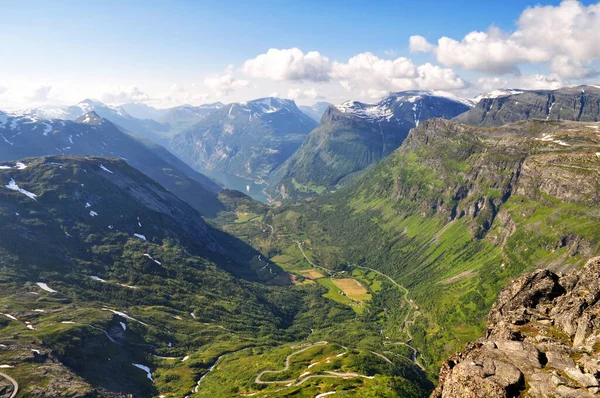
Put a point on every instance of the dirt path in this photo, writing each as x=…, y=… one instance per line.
x=14, y=383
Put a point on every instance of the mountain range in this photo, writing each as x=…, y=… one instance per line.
x=126, y=271
x=177, y=118
x=26, y=136
x=146, y=128
x=353, y=136
x=315, y=111
x=246, y=140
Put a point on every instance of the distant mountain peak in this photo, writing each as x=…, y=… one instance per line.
x=91, y=101
x=89, y=118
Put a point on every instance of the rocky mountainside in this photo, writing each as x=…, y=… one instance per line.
x=542, y=340
x=246, y=140
x=315, y=111
x=147, y=128
x=352, y=136
x=25, y=136
x=570, y=103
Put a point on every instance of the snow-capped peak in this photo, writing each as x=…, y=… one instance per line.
x=88, y=105
x=272, y=104
x=386, y=109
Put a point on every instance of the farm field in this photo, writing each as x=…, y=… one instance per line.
x=353, y=289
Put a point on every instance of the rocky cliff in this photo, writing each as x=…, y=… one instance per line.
x=569, y=103
x=542, y=340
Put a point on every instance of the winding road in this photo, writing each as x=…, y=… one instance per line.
x=305, y=376
x=14, y=383
x=287, y=366
x=405, y=328
x=406, y=322
x=308, y=259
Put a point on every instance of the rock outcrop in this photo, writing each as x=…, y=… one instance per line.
x=542, y=340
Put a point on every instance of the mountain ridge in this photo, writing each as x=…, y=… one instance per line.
x=354, y=135
x=26, y=136
x=581, y=103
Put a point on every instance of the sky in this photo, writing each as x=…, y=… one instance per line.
x=171, y=53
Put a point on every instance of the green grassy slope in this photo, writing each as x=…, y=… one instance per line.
x=169, y=298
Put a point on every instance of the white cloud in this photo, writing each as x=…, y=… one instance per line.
x=225, y=84
x=373, y=76
x=3, y=90
x=435, y=77
x=420, y=44
x=297, y=93
x=526, y=82
x=122, y=96
x=40, y=94
x=565, y=36
x=289, y=64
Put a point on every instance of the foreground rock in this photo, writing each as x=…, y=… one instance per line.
x=542, y=340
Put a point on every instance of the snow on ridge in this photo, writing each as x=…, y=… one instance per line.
x=151, y=258
x=105, y=169
x=46, y=287
x=18, y=166
x=47, y=129
x=13, y=186
x=496, y=94
x=366, y=111
x=145, y=369
x=124, y=315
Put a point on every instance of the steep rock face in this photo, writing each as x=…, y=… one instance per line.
x=542, y=340
x=570, y=103
x=354, y=135
x=476, y=170
x=247, y=140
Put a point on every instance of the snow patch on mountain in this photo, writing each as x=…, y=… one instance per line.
x=45, y=287
x=13, y=186
x=496, y=94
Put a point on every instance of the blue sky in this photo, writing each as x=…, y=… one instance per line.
x=91, y=48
